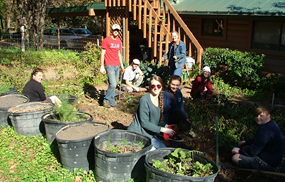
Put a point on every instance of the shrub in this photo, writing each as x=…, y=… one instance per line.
x=239, y=68
x=150, y=69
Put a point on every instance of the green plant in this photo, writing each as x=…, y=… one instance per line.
x=67, y=112
x=122, y=147
x=4, y=88
x=181, y=162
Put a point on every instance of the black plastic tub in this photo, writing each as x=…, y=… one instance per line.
x=154, y=175
x=13, y=90
x=110, y=167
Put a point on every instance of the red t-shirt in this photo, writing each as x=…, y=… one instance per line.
x=112, y=48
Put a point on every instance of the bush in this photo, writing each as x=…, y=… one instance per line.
x=239, y=68
x=150, y=69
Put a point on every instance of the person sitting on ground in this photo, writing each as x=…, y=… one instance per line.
x=149, y=114
x=173, y=109
x=265, y=150
x=34, y=89
x=199, y=84
x=133, y=77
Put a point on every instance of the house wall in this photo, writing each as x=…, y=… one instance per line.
x=237, y=35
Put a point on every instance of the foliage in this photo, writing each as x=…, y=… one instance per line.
x=181, y=162
x=150, y=69
x=91, y=58
x=195, y=71
x=5, y=88
x=31, y=158
x=67, y=112
x=239, y=68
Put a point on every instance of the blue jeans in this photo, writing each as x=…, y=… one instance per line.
x=175, y=71
x=156, y=143
x=113, y=75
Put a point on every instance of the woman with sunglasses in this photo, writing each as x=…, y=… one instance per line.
x=149, y=114
x=173, y=109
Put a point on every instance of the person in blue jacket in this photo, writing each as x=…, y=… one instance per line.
x=265, y=150
x=173, y=108
x=176, y=55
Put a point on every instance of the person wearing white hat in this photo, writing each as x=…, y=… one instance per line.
x=200, y=83
x=111, y=60
x=133, y=77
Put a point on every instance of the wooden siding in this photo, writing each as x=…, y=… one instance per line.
x=238, y=36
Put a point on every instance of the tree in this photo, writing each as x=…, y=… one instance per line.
x=32, y=14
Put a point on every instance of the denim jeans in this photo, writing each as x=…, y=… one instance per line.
x=113, y=75
x=254, y=163
x=156, y=143
x=175, y=71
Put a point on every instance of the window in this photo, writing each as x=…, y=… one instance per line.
x=213, y=27
x=269, y=35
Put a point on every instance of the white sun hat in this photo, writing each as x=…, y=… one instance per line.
x=136, y=61
x=206, y=68
x=116, y=26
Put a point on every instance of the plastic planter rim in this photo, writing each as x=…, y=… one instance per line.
x=44, y=118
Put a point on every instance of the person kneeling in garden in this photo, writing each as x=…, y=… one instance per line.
x=200, y=83
x=173, y=109
x=133, y=77
x=265, y=150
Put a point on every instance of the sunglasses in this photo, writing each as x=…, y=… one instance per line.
x=158, y=86
x=116, y=30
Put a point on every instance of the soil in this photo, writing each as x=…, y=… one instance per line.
x=30, y=107
x=121, y=117
x=10, y=101
x=86, y=130
x=119, y=148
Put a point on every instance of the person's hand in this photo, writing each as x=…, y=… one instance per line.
x=235, y=150
x=136, y=89
x=162, y=59
x=168, y=131
x=102, y=70
x=122, y=69
x=175, y=58
x=241, y=144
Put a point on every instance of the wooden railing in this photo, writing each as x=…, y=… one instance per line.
x=157, y=19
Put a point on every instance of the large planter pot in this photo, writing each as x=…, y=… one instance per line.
x=154, y=175
x=8, y=101
x=27, y=118
x=52, y=125
x=13, y=90
x=75, y=145
x=110, y=167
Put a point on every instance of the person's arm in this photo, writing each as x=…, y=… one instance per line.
x=167, y=102
x=200, y=84
x=260, y=140
x=41, y=92
x=129, y=83
x=209, y=87
x=182, y=107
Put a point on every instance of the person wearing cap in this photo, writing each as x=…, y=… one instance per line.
x=265, y=150
x=176, y=55
x=133, y=77
x=111, y=61
x=200, y=83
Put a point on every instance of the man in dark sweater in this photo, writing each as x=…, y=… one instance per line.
x=265, y=150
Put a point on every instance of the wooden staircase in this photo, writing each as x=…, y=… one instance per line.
x=157, y=19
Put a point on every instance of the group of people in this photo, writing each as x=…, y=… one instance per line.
x=163, y=112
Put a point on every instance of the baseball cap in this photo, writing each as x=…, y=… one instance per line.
x=116, y=27
x=206, y=68
x=136, y=61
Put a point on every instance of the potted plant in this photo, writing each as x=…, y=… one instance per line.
x=61, y=116
x=119, y=155
x=27, y=118
x=8, y=101
x=176, y=164
x=74, y=143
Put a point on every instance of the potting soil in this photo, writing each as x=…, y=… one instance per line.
x=81, y=131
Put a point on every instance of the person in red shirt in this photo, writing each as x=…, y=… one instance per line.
x=111, y=61
x=199, y=84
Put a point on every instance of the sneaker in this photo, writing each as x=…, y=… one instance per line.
x=106, y=104
x=116, y=105
x=176, y=138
